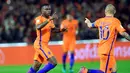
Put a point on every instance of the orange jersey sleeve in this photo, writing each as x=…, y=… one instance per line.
x=96, y=23
x=62, y=24
x=39, y=20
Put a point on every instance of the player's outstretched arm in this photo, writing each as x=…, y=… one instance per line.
x=54, y=16
x=43, y=24
x=126, y=35
x=87, y=21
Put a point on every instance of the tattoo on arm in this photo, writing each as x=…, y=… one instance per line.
x=55, y=30
x=42, y=24
x=126, y=35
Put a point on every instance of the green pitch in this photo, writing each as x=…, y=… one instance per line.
x=123, y=67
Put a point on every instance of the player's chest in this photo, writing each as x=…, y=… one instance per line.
x=47, y=28
x=70, y=25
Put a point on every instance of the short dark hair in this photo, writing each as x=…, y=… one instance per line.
x=44, y=5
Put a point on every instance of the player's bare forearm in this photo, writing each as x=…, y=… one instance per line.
x=57, y=30
x=54, y=16
x=42, y=24
x=126, y=35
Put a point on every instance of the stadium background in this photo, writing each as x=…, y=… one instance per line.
x=16, y=26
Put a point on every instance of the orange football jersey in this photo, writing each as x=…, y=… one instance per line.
x=43, y=35
x=108, y=29
x=71, y=26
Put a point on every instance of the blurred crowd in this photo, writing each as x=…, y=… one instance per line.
x=17, y=16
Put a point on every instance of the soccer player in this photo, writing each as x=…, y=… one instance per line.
x=44, y=26
x=69, y=40
x=109, y=27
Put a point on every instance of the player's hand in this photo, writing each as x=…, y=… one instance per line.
x=54, y=16
x=87, y=21
x=64, y=30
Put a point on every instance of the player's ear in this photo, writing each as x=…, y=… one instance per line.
x=114, y=11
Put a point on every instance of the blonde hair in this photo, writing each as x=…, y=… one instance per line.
x=110, y=9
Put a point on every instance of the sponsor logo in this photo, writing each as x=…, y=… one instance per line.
x=122, y=51
x=90, y=51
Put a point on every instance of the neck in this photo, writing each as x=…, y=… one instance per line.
x=70, y=20
x=46, y=16
x=109, y=15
